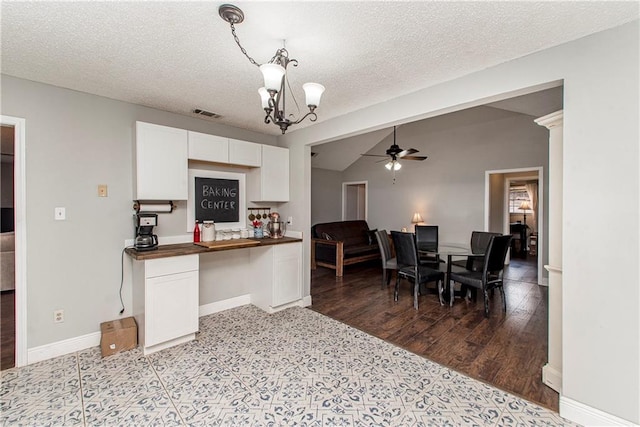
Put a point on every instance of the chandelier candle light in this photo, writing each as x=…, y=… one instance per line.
x=275, y=79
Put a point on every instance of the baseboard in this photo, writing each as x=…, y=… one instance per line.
x=226, y=304
x=306, y=301
x=588, y=416
x=60, y=348
x=71, y=345
x=552, y=378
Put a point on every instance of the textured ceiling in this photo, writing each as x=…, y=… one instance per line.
x=177, y=56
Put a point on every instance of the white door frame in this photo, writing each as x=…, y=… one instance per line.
x=20, y=203
x=366, y=198
x=540, y=213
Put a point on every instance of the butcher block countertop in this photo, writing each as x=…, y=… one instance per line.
x=165, y=251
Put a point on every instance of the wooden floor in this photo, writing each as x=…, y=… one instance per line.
x=7, y=330
x=505, y=350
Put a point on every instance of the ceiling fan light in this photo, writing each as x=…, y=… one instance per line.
x=264, y=96
x=313, y=93
x=272, y=74
x=393, y=164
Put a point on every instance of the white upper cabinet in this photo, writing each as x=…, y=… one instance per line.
x=161, y=163
x=244, y=153
x=270, y=183
x=208, y=148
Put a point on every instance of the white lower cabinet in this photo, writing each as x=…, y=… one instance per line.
x=165, y=301
x=276, y=272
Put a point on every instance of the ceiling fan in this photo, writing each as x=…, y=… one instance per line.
x=394, y=153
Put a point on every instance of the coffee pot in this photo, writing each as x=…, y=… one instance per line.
x=145, y=239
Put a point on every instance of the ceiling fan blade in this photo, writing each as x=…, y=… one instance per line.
x=374, y=155
x=384, y=160
x=414, y=157
x=407, y=152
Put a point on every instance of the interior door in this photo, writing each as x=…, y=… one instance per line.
x=354, y=201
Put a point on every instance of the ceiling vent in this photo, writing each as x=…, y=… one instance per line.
x=206, y=113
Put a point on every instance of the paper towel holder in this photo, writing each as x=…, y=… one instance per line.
x=155, y=206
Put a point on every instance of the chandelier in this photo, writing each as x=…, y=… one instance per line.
x=275, y=79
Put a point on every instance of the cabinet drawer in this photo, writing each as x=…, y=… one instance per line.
x=287, y=250
x=171, y=265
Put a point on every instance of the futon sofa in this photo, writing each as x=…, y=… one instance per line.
x=336, y=244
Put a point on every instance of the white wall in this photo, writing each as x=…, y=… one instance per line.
x=75, y=141
x=601, y=346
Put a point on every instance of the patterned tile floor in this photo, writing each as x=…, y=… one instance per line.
x=249, y=368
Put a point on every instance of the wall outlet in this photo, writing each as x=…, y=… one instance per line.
x=58, y=316
x=102, y=190
x=60, y=214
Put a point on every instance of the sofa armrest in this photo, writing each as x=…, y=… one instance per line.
x=339, y=246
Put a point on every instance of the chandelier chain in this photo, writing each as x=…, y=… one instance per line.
x=235, y=37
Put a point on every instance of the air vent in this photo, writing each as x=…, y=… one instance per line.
x=206, y=113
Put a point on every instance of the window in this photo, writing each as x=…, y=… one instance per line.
x=517, y=195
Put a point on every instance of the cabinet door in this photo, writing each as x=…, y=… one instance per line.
x=171, y=307
x=161, y=163
x=244, y=153
x=274, y=180
x=287, y=270
x=208, y=148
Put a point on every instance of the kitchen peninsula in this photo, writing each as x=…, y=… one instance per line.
x=166, y=284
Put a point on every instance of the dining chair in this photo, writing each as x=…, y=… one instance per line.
x=388, y=260
x=491, y=276
x=409, y=266
x=427, y=240
x=479, y=244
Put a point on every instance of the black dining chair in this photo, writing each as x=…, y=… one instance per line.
x=410, y=268
x=479, y=244
x=388, y=260
x=491, y=276
x=427, y=241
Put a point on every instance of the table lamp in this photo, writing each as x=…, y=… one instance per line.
x=524, y=207
x=416, y=219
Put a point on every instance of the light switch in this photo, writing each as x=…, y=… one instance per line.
x=102, y=190
x=60, y=214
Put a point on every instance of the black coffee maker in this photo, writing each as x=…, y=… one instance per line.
x=145, y=239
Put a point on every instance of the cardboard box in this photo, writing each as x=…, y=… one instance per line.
x=118, y=335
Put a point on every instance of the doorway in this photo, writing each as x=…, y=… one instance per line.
x=354, y=201
x=13, y=216
x=7, y=251
x=499, y=215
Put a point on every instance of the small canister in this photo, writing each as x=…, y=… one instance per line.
x=235, y=233
x=244, y=233
x=208, y=231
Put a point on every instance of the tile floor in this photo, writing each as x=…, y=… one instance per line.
x=249, y=368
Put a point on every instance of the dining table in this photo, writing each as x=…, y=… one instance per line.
x=451, y=250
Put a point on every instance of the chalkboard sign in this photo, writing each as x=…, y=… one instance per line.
x=217, y=199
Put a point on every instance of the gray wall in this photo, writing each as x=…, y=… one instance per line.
x=75, y=141
x=448, y=188
x=326, y=195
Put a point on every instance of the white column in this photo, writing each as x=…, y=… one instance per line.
x=552, y=371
